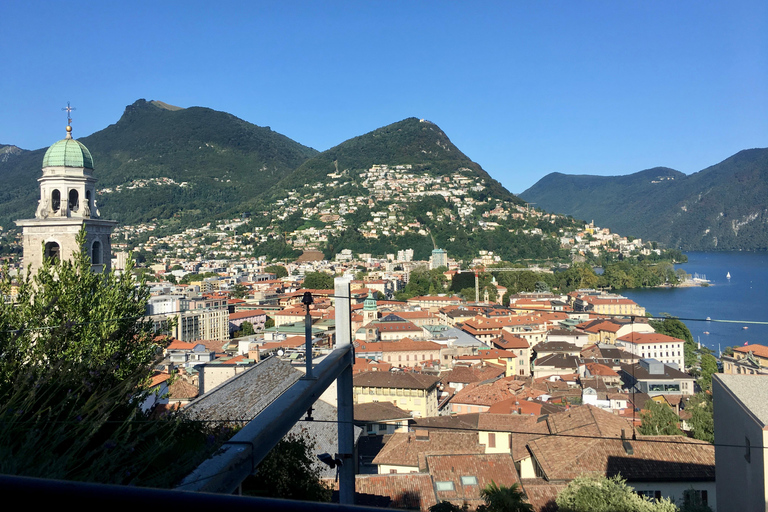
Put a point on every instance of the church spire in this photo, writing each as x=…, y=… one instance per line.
x=69, y=110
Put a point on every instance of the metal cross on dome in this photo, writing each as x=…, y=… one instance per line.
x=69, y=110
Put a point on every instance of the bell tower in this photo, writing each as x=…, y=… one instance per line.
x=370, y=309
x=67, y=203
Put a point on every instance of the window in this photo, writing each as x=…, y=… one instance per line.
x=469, y=480
x=492, y=440
x=52, y=251
x=382, y=427
x=444, y=486
x=747, y=454
x=96, y=253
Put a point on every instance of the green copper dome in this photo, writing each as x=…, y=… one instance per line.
x=370, y=302
x=68, y=153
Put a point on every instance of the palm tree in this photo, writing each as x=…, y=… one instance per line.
x=504, y=499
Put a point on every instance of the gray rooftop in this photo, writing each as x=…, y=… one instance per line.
x=244, y=396
x=751, y=390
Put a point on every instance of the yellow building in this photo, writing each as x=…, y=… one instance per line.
x=413, y=392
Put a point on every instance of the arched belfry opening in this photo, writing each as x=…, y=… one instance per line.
x=52, y=252
x=74, y=200
x=96, y=253
x=55, y=200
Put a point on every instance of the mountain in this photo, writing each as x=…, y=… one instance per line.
x=723, y=207
x=161, y=161
x=405, y=185
x=412, y=141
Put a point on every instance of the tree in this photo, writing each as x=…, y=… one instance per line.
x=279, y=271
x=601, y=494
x=318, y=281
x=499, y=498
x=289, y=471
x=708, y=368
x=246, y=329
x=672, y=326
x=702, y=416
x=239, y=291
x=659, y=420
x=76, y=361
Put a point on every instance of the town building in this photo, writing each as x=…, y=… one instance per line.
x=413, y=392
x=657, y=346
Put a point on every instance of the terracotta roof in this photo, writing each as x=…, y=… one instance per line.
x=237, y=315
x=587, y=420
x=508, y=341
x=412, y=492
x=486, y=468
x=180, y=345
x=758, y=350
x=404, y=448
x=493, y=353
x=369, y=365
x=542, y=494
x=655, y=458
x=158, y=379
x=407, y=380
x=467, y=374
x=648, y=337
x=379, y=411
x=182, y=390
x=596, y=369
x=485, y=393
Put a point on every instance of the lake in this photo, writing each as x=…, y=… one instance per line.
x=742, y=298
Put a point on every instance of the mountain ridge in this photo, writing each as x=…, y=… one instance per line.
x=721, y=207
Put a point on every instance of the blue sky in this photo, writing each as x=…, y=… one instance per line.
x=523, y=88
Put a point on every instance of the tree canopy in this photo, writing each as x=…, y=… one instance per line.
x=289, y=471
x=601, y=494
x=318, y=281
x=500, y=498
x=659, y=419
x=279, y=270
x=74, y=373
